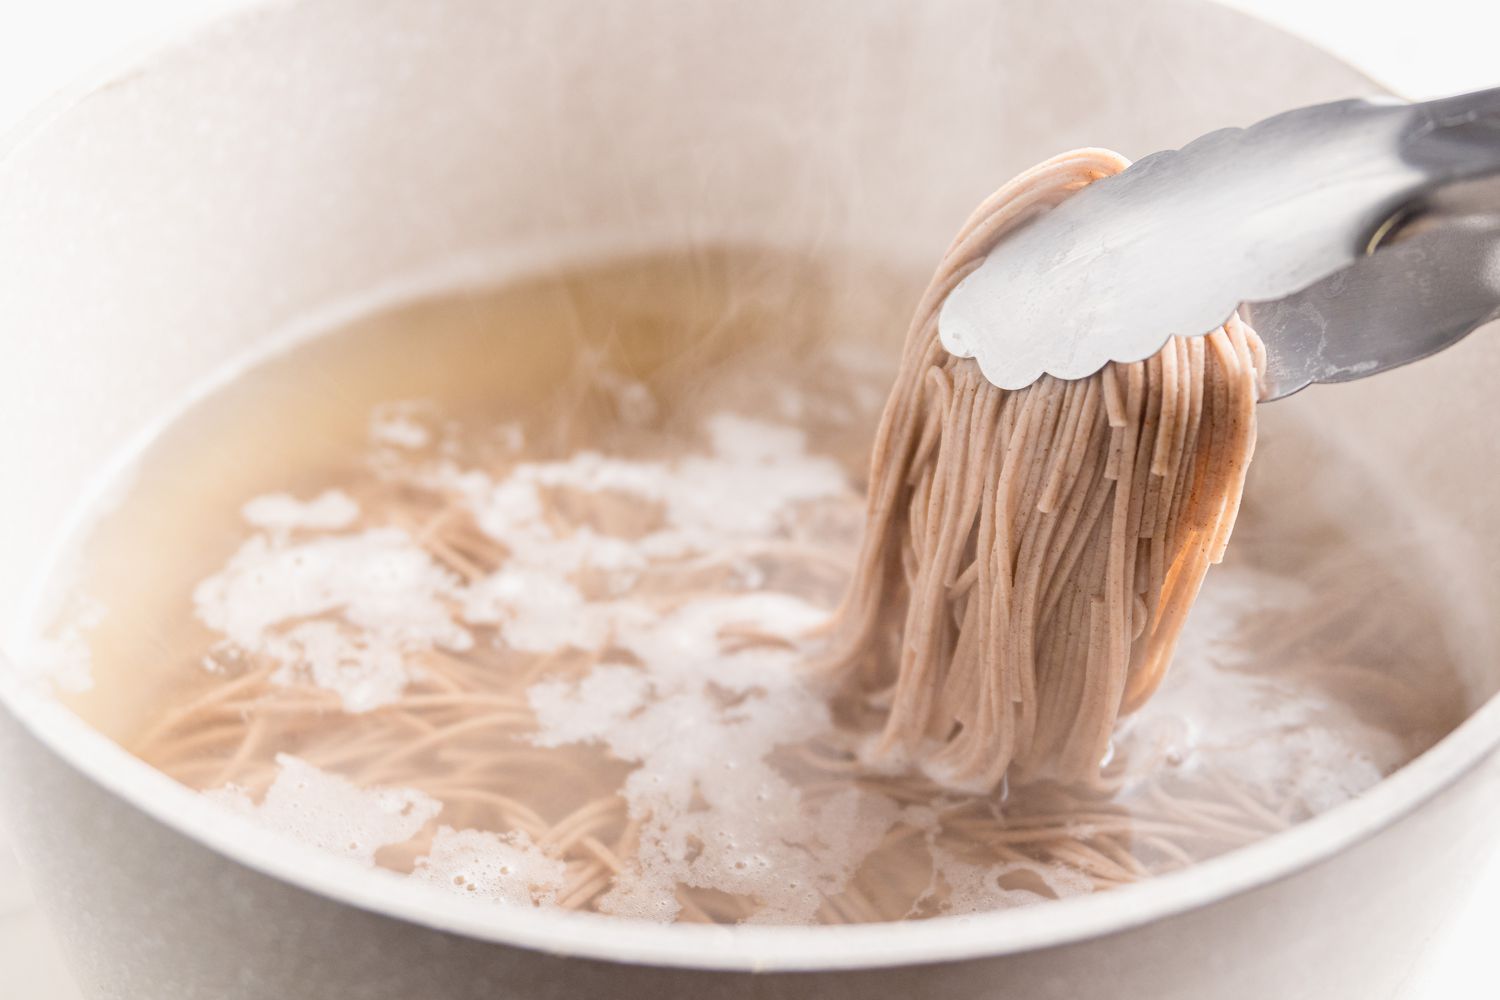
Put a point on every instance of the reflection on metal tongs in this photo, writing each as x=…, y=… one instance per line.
x=1354, y=236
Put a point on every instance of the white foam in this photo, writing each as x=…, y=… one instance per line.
x=536, y=610
x=745, y=488
x=757, y=470
x=328, y=511
x=510, y=511
x=963, y=888
x=587, y=711
x=343, y=612
x=699, y=712
x=328, y=812
x=700, y=716
x=63, y=659
x=684, y=646
x=504, y=868
x=980, y=888
x=701, y=719
x=396, y=425
x=364, y=673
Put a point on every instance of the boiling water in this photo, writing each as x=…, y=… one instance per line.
x=515, y=591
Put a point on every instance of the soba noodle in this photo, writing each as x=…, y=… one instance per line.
x=1030, y=557
x=563, y=675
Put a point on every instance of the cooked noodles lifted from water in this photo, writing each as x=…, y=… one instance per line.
x=1030, y=556
x=561, y=647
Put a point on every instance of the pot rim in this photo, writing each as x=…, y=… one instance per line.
x=738, y=948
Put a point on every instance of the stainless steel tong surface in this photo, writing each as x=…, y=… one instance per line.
x=1354, y=236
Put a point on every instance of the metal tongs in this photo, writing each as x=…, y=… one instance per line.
x=1354, y=237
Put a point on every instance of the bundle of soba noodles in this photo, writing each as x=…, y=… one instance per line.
x=1030, y=556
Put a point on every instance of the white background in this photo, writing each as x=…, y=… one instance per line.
x=1419, y=48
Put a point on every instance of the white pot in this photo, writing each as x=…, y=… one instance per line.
x=279, y=163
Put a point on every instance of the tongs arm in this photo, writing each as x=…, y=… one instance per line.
x=1294, y=204
x=1431, y=278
